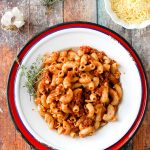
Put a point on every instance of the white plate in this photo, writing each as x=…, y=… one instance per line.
x=132, y=80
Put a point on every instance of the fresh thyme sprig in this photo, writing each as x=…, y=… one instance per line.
x=49, y=2
x=31, y=74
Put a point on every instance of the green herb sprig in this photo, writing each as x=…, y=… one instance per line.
x=31, y=74
x=49, y=2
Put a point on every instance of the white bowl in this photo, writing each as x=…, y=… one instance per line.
x=130, y=112
x=117, y=20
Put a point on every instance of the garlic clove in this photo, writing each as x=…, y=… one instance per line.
x=12, y=19
x=18, y=24
x=17, y=14
x=6, y=19
x=16, y=11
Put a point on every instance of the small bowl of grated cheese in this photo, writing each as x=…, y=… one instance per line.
x=131, y=14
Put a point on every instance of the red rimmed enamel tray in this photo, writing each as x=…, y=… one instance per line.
x=133, y=79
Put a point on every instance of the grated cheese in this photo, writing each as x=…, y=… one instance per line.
x=132, y=11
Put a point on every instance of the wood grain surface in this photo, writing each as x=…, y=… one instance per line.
x=39, y=17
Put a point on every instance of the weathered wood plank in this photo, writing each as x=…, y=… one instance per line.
x=45, y=17
x=9, y=137
x=83, y=10
x=7, y=130
x=55, y=13
x=9, y=44
x=141, y=140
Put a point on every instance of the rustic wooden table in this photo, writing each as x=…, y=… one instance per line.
x=38, y=17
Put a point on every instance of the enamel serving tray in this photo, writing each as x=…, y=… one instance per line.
x=74, y=34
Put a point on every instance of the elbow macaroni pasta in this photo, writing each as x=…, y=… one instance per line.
x=79, y=91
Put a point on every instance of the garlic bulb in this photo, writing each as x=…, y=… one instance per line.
x=12, y=19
